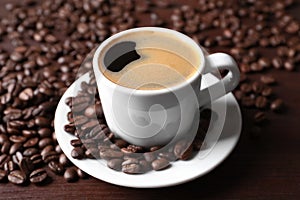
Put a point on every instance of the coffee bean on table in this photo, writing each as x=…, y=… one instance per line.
x=17, y=177
x=56, y=167
x=10, y=166
x=277, y=105
x=82, y=174
x=63, y=160
x=268, y=79
x=70, y=175
x=3, y=175
x=36, y=159
x=260, y=117
x=38, y=176
x=261, y=102
x=14, y=148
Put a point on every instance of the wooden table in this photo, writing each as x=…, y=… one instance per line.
x=266, y=168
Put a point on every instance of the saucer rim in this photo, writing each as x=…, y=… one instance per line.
x=113, y=175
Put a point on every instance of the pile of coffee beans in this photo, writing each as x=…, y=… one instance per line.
x=43, y=43
x=96, y=141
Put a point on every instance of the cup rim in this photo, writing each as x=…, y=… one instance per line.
x=101, y=77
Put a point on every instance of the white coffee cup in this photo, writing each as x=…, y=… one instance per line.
x=156, y=117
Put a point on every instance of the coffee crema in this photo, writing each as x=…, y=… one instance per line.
x=153, y=70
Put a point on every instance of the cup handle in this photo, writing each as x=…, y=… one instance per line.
x=216, y=62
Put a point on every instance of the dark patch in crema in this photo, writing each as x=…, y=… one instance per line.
x=120, y=55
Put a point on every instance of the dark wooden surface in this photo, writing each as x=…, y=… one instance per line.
x=267, y=168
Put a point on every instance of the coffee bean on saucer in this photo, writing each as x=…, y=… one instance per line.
x=160, y=164
x=115, y=164
x=131, y=166
x=77, y=153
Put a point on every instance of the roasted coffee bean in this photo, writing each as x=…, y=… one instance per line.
x=47, y=149
x=277, y=105
x=187, y=154
x=17, y=138
x=63, y=160
x=3, y=175
x=261, y=102
x=145, y=166
x=82, y=174
x=167, y=155
x=44, y=132
x=17, y=177
x=79, y=107
x=42, y=122
x=26, y=94
x=160, y=164
x=38, y=176
x=267, y=92
x=31, y=142
x=90, y=111
x=149, y=157
x=5, y=147
x=289, y=65
x=257, y=87
x=155, y=148
x=77, y=153
x=120, y=143
x=277, y=63
x=106, y=153
x=4, y=159
x=45, y=142
x=115, y=164
x=134, y=148
x=246, y=88
x=10, y=166
x=26, y=165
x=36, y=159
x=132, y=168
x=180, y=147
x=14, y=148
x=3, y=138
x=56, y=167
x=248, y=101
x=76, y=142
x=260, y=117
x=71, y=175
x=50, y=156
x=30, y=151
x=267, y=79
x=58, y=149
x=80, y=119
x=89, y=125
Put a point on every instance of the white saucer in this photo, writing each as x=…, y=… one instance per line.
x=225, y=132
